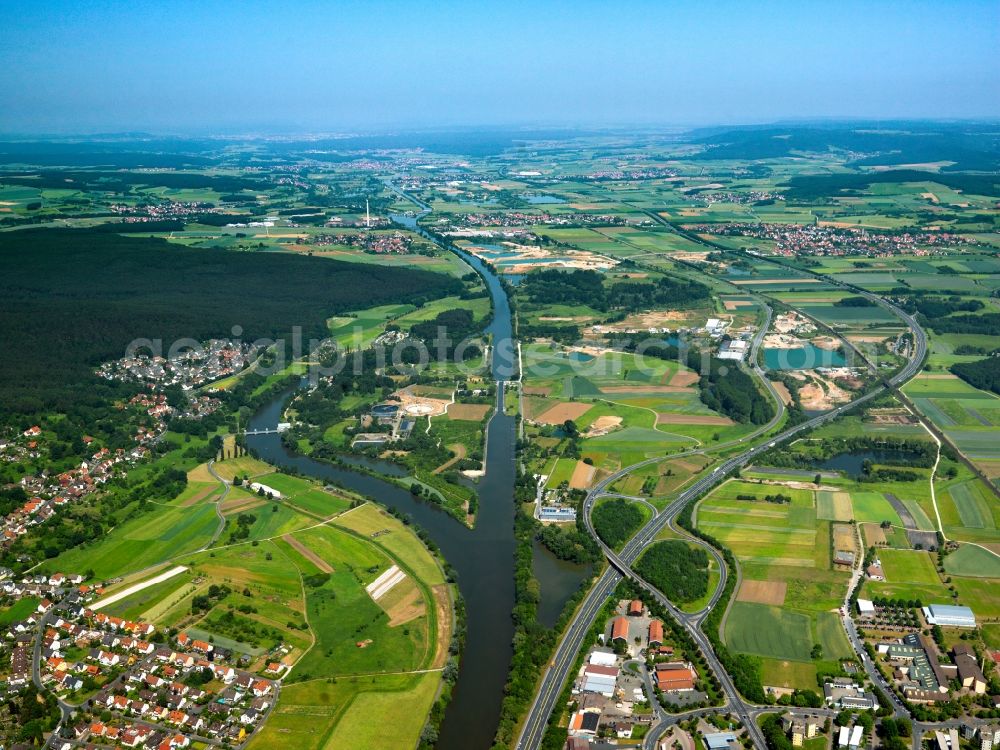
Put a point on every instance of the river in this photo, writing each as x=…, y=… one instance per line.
x=483, y=557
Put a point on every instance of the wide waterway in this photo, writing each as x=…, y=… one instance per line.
x=482, y=557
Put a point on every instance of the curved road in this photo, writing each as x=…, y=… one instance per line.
x=572, y=641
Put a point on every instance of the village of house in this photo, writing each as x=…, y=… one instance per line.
x=140, y=687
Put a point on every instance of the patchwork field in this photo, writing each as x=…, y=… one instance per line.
x=790, y=587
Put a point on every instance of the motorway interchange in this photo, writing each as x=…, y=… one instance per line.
x=620, y=563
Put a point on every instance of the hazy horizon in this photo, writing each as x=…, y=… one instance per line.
x=309, y=67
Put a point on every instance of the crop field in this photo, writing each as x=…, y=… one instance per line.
x=980, y=594
x=788, y=674
x=872, y=507
x=789, y=583
x=768, y=631
x=272, y=519
x=305, y=495
x=242, y=466
x=308, y=714
x=158, y=535
x=145, y=604
x=353, y=634
x=830, y=635
x=903, y=566
x=836, y=316
x=834, y=506
x=387, y=531
x=975, y=505
x=977, y=444
x=363, y=327
x=972, y=561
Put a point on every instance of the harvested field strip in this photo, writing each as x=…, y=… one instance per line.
x=673, y=418
x=783, y=392
x=124, y=594
x=874, y=534
x=583, y=475
x=562, y=412
x=844, y=538
x=684, y=378
x=307, y=553
x=403, y=603
x=239, y=504
x=752, y=527
x=646, y=389
x=834, y=506
x=200, y=495
x=791, y=562
x=470, y=412
x=442, y=605
x=762, y=592
x=756, y=512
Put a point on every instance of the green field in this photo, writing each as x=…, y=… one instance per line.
x=322, y=715
x=768, y=631
x=342, y=614
x=159, y=535
x=973, y=561
x=306, y=495
x=902, y=566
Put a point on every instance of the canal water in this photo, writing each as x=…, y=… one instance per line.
x=483, y=558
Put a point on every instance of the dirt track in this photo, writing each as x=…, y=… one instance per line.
x=459, y=451
x=307, y=553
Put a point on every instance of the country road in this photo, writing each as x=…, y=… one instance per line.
x=620, y=564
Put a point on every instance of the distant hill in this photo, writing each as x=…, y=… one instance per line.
x=971, y=146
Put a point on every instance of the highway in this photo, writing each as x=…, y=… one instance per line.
x=620, y=564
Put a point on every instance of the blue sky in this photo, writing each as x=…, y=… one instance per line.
x=190, y=67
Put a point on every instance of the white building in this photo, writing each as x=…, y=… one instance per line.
x=258, y=487
x=856, y=733
x=950, y=615
x=736, y=349
x=603, y=658
x=866, y=608
x=597, y=679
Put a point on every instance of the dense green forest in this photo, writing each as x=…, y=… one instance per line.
x=71, y=299
x=987, y=324
x=729, y=390
x=984, y=374
x=616, y=520
x=677, y=569
x=448, y=330
x=933, y=308
x=118, y=182
x=810, y=187
x=585, y=287
x=854, y=302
